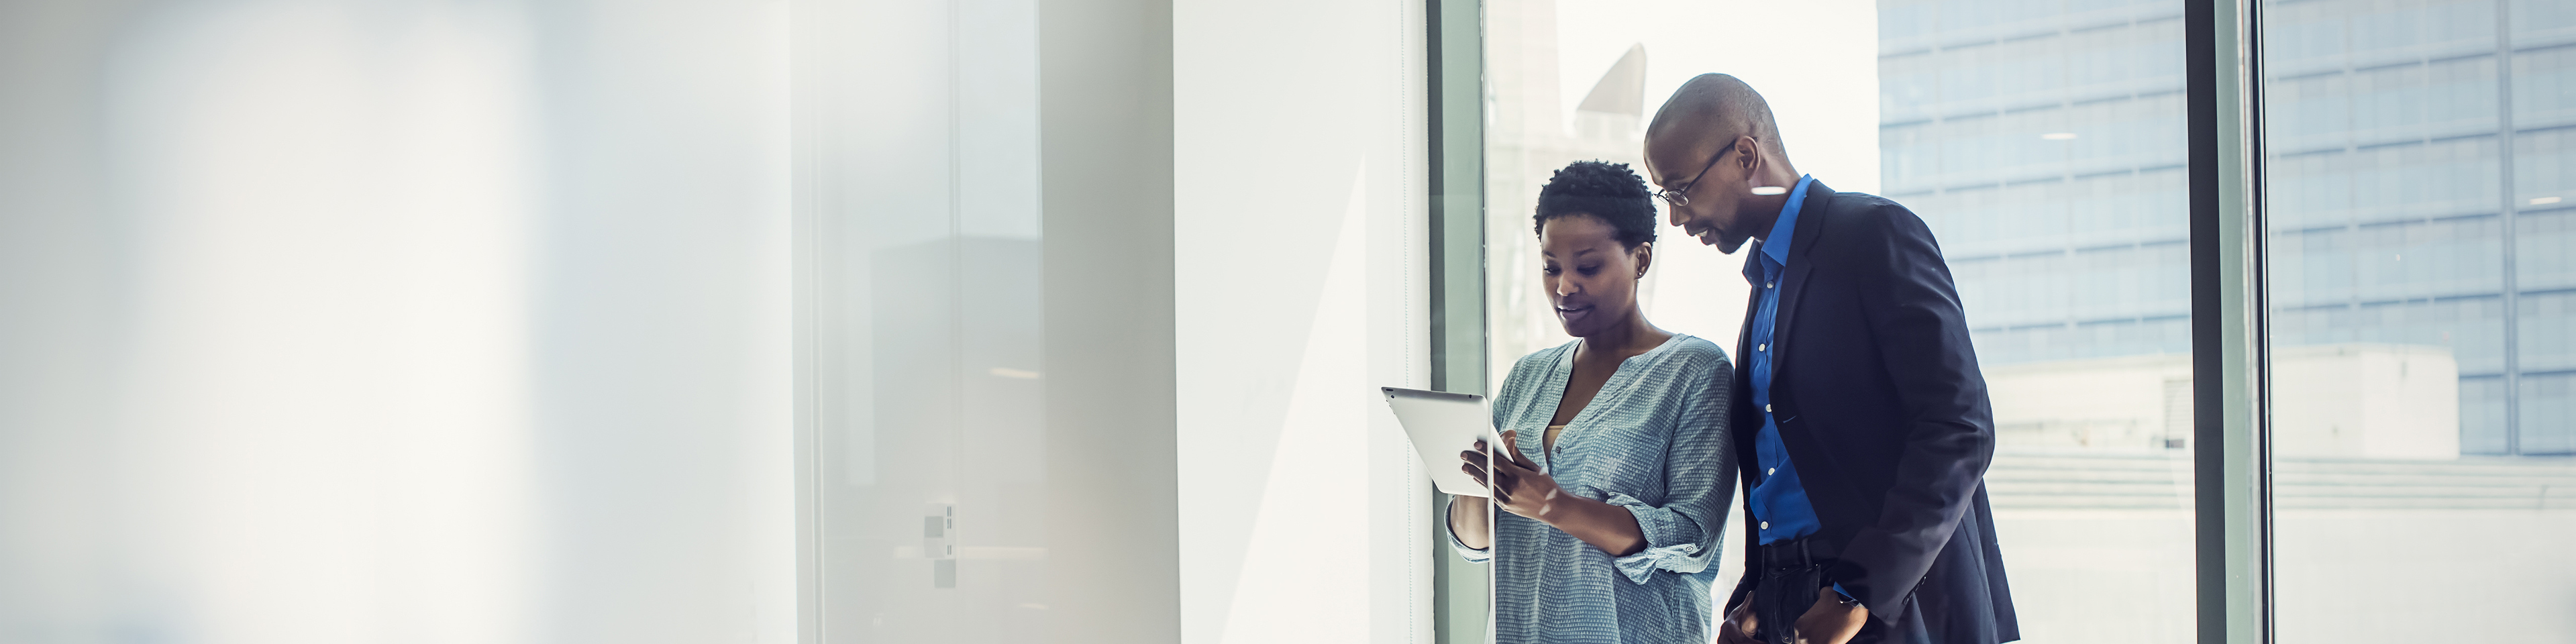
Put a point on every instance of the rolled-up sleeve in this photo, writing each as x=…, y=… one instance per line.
x=1683, y=534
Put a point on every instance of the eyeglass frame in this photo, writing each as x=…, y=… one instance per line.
x=1681, y=197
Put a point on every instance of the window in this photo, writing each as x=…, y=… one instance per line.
x=2042, y=142
x=2419, y=302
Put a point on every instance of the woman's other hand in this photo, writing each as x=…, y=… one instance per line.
x=1499, y=483
x=1469, y=514
x=1475, y=463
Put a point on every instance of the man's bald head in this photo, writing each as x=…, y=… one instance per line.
x=1717, y=107
x=1716, y=152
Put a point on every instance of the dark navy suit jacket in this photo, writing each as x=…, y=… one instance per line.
x=1882, y=407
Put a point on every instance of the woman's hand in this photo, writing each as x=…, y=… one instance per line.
x=1468, y=515
x=1521, y=489
x=1518, y=485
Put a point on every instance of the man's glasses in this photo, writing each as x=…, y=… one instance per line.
x=1679, y=197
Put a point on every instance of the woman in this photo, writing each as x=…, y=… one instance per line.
x=1616, y=462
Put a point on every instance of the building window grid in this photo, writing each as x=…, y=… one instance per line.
x=2387, y=192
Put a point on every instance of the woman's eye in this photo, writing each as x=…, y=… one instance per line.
x=1588, y=270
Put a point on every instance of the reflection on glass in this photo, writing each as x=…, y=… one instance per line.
x=2044, y=145
x=2421, y=318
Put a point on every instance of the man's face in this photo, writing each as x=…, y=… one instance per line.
x=1717, y=197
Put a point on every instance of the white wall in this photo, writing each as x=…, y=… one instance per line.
x=394, y=321
x=1300, y=287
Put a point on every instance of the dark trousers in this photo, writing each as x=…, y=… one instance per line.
x=1792, y=572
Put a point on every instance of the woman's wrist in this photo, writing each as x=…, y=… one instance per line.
x=1556, y=512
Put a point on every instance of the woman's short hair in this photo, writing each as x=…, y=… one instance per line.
x=1607, y=191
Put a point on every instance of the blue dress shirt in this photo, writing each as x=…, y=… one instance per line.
x=1779, y=501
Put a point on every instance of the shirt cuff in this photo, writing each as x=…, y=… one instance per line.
x=1672, y=541
x=1847, y=596
x=1472, y=555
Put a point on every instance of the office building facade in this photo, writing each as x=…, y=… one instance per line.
x=2418, y=154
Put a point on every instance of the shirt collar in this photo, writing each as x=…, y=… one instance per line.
x=1776, y=244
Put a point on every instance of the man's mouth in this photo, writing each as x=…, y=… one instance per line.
x=1705, y=234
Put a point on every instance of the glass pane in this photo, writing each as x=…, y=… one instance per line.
x=375, y=322
x=2041, y=142
x=2420, y=306
x=926, y=336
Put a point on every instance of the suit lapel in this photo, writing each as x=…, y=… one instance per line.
x=1793, y=280
x=1743, y=393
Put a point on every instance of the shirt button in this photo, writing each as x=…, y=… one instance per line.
x=1771, y=471
x=1769, y=284
x=1766, y=409
x=1766, y=525
x=1760, y=347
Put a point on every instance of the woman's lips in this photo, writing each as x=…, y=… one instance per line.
x=1571, y=314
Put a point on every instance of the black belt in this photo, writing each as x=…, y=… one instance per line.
x=1794, y=553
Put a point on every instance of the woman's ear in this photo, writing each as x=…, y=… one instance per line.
x=1645, y=254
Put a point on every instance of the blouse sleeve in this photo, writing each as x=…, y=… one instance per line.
x=1683, y=534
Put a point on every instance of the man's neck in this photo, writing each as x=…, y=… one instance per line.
x=1767, y=208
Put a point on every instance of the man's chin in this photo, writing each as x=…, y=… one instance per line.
x=1729, y=246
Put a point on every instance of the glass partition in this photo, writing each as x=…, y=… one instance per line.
x=2415, y=196
x=924, y=293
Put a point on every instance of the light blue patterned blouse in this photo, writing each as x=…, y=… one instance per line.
x=1654, y=441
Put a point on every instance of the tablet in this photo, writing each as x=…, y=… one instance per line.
x=1442, y=424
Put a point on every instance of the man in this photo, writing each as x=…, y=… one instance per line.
x=1858, y=406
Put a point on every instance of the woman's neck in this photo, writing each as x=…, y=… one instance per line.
x=1629, y=337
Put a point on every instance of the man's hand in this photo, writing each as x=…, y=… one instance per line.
x=1829, y=621
x=1738, y=626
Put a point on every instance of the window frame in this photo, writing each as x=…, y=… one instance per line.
x=2231, y=428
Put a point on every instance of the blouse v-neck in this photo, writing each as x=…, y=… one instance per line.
x=1563, y=375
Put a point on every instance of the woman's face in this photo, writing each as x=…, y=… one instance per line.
x=1591, y=278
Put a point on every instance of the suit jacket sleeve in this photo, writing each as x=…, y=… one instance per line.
x=1922, y=337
